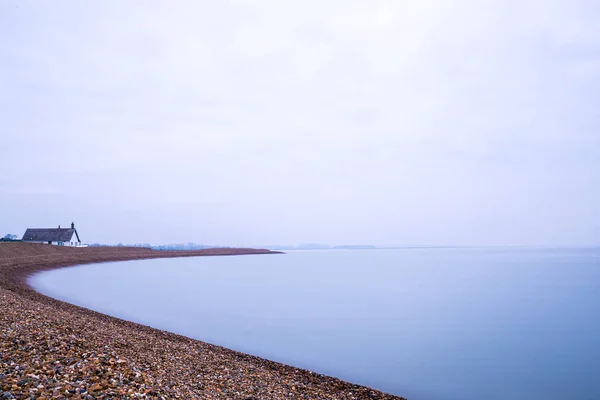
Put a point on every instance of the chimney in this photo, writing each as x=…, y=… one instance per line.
x=72, y=225
x=59, y=227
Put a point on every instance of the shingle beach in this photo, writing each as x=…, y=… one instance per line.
x=54, y=350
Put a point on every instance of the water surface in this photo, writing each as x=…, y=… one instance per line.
x=420, y=323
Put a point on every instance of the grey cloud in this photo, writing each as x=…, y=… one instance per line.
x=238, y=123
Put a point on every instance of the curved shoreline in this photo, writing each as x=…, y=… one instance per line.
x=68, y=351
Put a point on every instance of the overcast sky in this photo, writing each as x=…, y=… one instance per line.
x=466, y=122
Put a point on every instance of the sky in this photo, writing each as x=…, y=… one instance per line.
x=468, y=122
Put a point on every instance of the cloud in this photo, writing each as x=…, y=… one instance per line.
x=396, y=117
x=38, y=190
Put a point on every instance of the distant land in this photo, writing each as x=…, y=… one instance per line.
x=304, y=246
x=196, y=246
x=283, y=247
x=318, y=246
x=172, y=246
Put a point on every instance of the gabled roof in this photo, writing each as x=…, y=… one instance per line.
x=50, y=235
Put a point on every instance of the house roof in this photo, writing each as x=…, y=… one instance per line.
x=50, y=235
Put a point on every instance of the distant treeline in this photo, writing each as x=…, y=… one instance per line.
x=173, y=246
x=9, y=238
x=317, y=246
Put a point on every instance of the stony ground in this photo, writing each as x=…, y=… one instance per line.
x=54, y=350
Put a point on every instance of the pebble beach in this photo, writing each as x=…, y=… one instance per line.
x=54, y=350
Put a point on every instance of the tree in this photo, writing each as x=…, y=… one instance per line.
x=8, y=236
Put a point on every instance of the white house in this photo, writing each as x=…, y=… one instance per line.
x=56, y=236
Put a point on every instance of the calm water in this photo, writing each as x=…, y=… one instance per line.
x=421, y=323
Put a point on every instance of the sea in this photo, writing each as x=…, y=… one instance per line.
x=425, y=323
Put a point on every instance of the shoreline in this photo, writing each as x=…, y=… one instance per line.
x=50, y=348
